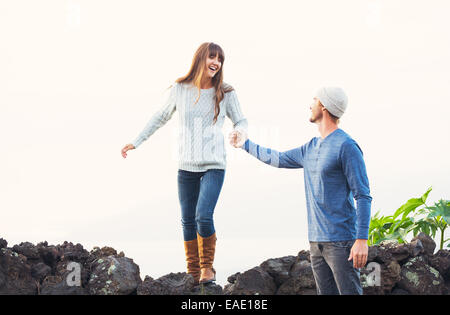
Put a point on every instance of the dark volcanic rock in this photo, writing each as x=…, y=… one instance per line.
x=71, y=252
x=428, y=243
x=28, y=250
x=105, y=251
x=69, y=277
x=387, y=251
x=3, y=243
x=279, y=268
x=397, y=291
x=373, y=254
x=15, y=274
x=73, y=271
x=400, y=252
x=97, y=253
x=114, y=275
x=50, y=255
x=416, y=248
x=145, y=287
x=172, y=284
x=180, y=283
x=251, y=282
x=69, y=269
x=380, y=279
x=232, y=279
x=382, y=253
x=390, y=250
x=40, y=270
x=207, y=289
x=419, y=278
x=301, y=280
x=58, y=285
x=441, y=262
x=304, y=255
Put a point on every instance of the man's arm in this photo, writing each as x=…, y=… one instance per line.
x=288, y=159
x=355, y=171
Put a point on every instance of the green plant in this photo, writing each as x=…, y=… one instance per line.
x=383, y=228
x=413, y=216
x=439, y=218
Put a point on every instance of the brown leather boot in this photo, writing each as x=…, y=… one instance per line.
x=192, y=259
x=206, y=250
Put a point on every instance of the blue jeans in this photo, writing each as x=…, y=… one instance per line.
x=333, y=272
x=198, y=193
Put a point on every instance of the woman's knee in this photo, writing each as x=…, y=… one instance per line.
x=204, y=220
x=189, y=223
x=205, y=225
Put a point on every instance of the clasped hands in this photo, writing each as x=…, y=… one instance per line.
x=237, y=138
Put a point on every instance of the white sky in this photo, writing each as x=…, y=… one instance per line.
x=80, y=79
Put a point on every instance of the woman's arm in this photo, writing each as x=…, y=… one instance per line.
x=234, y=112
x=159, y=118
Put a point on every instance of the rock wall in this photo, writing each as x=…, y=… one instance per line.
x=44, y=269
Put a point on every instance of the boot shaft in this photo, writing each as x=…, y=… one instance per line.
x=192, y=259
x=206, y=250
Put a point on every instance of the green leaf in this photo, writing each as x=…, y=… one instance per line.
x=422, y=211
x=441, y=209
x=402, y=233
x=409, y=206
x=425, y=195
x=426, y=229
x=390, y=227
x=433, y=230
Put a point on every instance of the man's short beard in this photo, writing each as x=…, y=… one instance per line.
x=314, y=119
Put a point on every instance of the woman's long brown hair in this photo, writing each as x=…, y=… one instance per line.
x=196, y=73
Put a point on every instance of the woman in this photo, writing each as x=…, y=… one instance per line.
x=202, y=100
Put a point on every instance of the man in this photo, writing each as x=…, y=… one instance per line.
x=335, y=174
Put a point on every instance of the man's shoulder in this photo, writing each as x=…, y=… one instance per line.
x=350, y=146
x=346, y=142
x=311, y=143
x=344, y=139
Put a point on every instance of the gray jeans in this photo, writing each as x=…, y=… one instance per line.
x=333, y=272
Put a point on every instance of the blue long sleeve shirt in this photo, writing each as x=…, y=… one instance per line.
x=334, y=175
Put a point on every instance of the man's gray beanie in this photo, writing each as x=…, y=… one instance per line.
x=334, y=99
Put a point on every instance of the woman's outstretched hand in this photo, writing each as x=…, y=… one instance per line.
x=126, y=148
x=237, y=139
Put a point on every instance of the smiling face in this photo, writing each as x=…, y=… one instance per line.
x=213, y=65
x=316, y=111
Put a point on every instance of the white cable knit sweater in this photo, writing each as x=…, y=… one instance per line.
x=201, y=143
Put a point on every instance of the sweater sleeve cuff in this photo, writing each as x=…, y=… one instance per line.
x=245, y=145
x=363, y=235
x=136, y=143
